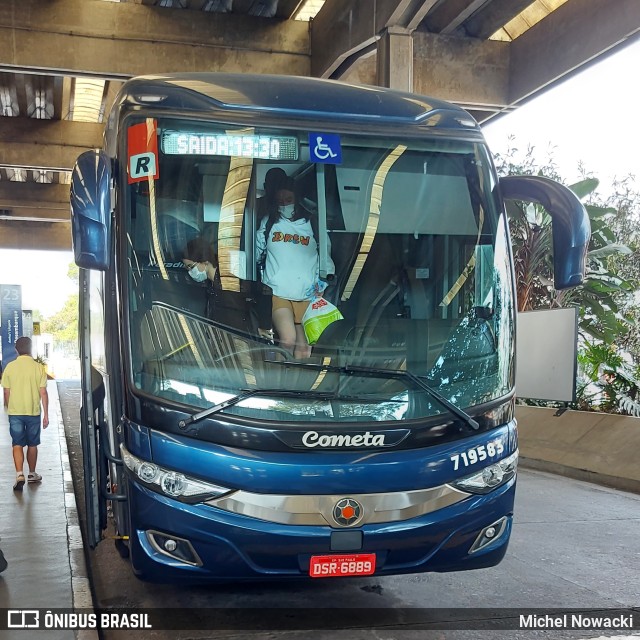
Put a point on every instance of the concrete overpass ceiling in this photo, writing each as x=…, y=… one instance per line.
x=63, y=61
x=51, y=97
x=522, y=22
x=282, y=9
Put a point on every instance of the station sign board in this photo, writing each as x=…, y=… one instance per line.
x=11, y=318
x=27, y=323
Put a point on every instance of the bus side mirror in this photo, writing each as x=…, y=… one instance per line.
x=91, y=210
x=570, y=223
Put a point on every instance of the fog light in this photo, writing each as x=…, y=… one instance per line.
x=489, y=534
x=174, y=547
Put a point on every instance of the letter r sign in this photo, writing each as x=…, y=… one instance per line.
x=142, y=151
x=142, y=165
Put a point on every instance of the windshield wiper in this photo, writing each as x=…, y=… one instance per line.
x=392, y=374
x=249, y=393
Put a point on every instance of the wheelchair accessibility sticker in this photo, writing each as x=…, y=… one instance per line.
x=325, y=147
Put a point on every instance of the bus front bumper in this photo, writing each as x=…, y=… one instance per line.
x=172, y=541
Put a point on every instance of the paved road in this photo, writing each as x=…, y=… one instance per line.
x=574, y=545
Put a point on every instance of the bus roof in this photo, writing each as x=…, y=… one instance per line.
x=294, y=96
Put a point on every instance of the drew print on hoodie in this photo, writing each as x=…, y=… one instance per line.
x=292, y=264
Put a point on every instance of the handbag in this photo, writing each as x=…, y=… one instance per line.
x=319, y=315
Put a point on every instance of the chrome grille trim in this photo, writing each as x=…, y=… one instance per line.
x=316, y=510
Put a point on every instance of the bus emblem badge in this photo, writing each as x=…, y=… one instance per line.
x=347, y=512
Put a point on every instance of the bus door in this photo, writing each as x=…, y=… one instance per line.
x=92, y=398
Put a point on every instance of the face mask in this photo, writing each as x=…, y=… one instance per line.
x=196, y=274
x=287, y=211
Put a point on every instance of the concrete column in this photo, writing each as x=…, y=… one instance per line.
x=395, y=59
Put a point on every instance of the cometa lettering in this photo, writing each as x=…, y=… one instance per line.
x=314, y=439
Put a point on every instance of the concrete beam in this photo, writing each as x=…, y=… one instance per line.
x=486, y=21
x=287, y=8
x=408, y=14
x=395, y=60
x=363, y=70
x=61, y=97
x=449, y=15
x=573, y=35
x=342, y=29
x=9, y=88
x=45, y=144
x=21, y=94
x=117, y=40
x=33, y=193
x=49, y=236
x=44, y=212
x=196, y=5
x=469, y=72
x=32, y=201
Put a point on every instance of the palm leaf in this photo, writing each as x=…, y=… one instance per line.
x=585, y=187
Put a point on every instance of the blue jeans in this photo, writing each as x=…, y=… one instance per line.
x=24, y=430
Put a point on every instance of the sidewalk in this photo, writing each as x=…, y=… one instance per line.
x=40, y=532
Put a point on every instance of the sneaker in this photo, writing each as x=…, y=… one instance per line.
x=34, y=477
x=19, y=482
x=3, y=562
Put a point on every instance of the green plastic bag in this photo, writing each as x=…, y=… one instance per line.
x=319, y=315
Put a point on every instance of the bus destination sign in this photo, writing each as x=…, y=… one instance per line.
x=186, y=143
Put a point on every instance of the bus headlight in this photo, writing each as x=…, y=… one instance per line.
x=171, y=483
x=490, y=477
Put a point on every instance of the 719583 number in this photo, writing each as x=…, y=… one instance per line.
x=477, y=454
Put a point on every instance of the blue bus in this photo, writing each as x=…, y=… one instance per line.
x=392, y=447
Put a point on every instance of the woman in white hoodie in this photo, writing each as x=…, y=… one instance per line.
x=287, y=250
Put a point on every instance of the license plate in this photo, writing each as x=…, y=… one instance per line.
x=360, y=564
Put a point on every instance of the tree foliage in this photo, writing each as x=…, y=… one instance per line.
x=63, y=325
x=609, y=311
x=609, y=382
x=625, y=200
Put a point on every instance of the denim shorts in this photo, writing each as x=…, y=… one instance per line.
x=24, y=430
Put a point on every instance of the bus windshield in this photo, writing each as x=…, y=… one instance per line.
x=410, y=245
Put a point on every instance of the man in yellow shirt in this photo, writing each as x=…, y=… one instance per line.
x=25, y=387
